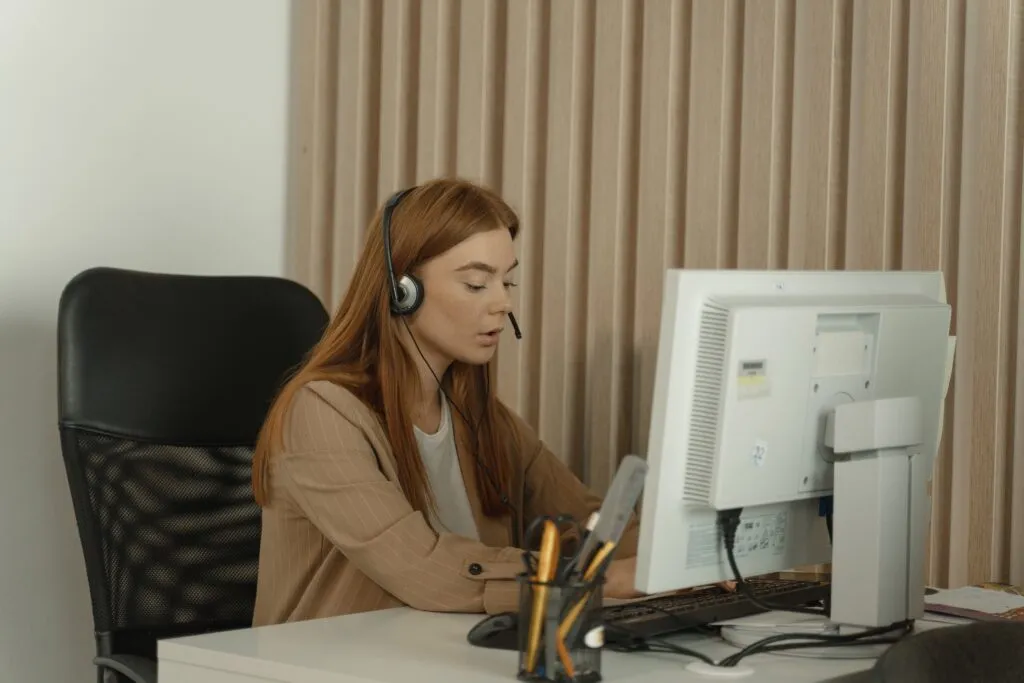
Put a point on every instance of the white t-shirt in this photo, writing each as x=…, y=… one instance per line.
x=441, y=461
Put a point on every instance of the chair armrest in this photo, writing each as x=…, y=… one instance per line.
x=139, y=669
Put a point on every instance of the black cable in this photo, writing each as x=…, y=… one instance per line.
x=825, y=508
x=829, y=644
x=816, y=640
x=776, y=643
x=643, y=644
x=475, y=427
x=729, y=521
x=638, y=643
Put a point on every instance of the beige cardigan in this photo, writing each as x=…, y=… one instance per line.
x=340, y=537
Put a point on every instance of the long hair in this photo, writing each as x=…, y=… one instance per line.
x=362, y=352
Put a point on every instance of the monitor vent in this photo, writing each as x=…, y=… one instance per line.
x=707, y=401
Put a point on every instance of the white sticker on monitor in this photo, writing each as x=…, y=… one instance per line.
x=752, y=379
x=759, y=452
x=758, y=534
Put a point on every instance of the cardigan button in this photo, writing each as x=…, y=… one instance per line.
x=475, y=569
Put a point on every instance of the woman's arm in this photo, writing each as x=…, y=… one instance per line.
x=552, y=489
x=331, y=472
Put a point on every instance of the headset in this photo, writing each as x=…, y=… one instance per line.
x=405, y=295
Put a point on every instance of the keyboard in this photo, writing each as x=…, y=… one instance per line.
x=664, y=615
x=661, y=616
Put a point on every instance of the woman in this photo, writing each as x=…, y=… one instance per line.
x=388, y=471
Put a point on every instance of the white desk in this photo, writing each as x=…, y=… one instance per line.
x=406, y=646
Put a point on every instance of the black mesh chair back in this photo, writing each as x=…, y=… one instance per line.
x=164, y=382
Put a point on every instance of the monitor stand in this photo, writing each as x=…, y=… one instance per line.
x=880, y=512
x=722, y=673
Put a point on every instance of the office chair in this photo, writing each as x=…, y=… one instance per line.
x=980, y=652
x=164, y=382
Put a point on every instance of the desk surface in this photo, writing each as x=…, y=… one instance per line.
x=403, y=646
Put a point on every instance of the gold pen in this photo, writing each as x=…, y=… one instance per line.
x=574, y=613
x=547, y=565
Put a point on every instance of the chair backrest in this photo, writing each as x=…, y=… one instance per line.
x=992, y=652
x=977, y=652
x=164, y=382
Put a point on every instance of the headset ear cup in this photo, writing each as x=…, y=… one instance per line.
x=410, y=295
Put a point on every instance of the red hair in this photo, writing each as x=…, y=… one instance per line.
x=361, y=351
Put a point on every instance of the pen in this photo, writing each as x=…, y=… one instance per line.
x=595, y=567
x=618, y=505
x=546, y=565
x=578, y=558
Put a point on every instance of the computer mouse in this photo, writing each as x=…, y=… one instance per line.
x=498, y=631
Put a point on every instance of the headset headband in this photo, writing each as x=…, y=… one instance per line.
x=389, y=209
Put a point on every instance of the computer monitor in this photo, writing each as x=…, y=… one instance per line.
x=777, y=389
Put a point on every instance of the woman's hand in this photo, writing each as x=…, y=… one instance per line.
x=620, y=579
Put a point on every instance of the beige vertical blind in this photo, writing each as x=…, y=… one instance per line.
x=637, y=135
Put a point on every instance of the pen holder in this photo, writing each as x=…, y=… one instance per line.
x=560, y=630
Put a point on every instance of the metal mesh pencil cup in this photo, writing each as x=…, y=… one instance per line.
x=560, y=630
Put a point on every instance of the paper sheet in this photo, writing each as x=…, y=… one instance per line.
x=950, y=353
x=976, y=602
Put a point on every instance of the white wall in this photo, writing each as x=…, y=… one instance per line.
x=136, y=133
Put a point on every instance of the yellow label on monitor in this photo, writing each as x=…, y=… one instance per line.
x=752, y=379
